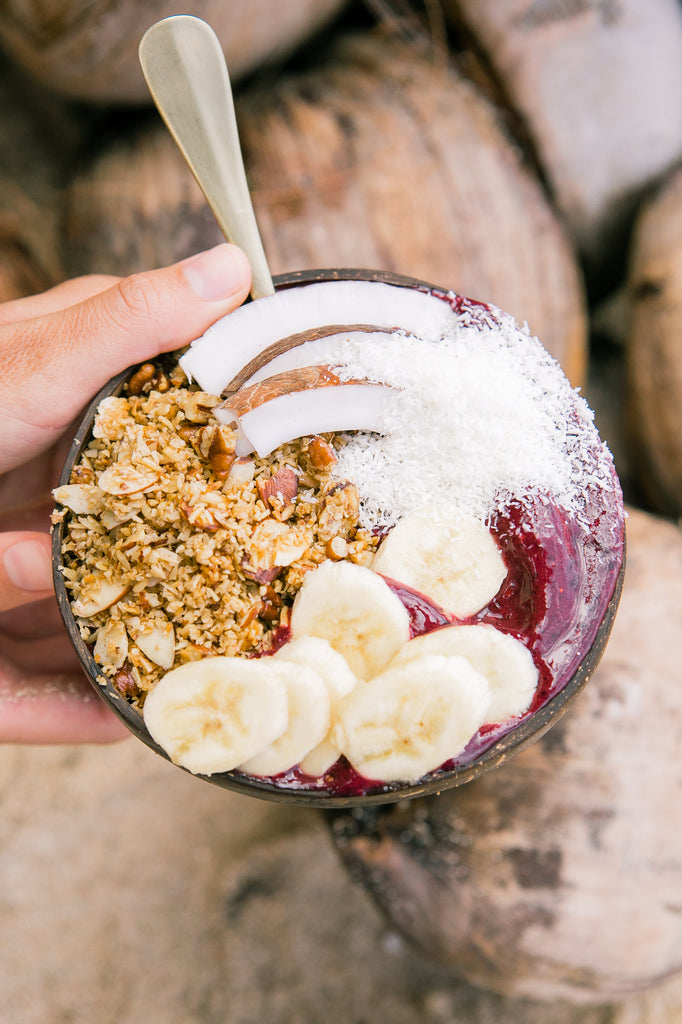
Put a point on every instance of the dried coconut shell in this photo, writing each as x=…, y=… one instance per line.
x=136, y=206
x=558, y=876
x=387, y=160
x=380, y=160
x=654, y=354
x=87, y=49
x=38, y=139
x=597, y=86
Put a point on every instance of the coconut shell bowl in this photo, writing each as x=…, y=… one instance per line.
x=562, y=579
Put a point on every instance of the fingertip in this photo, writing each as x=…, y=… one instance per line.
x=26, y=568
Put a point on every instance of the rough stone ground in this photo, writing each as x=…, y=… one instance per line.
x=131, y=893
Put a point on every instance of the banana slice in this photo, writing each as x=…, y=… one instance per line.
x=452, y=559
x=214, y=714
x=355, y=610
x=504, y=661
x=308, y=721
x=339, y=680
x=410, y=719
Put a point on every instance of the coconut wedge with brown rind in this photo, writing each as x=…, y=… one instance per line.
x=307, y=348
x=233, y=342
x=306, y=401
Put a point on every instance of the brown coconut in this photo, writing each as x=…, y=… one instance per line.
x=380, y=159
x=558, y=876
x=87, y=49
x=654, y=348
x=597, y=85
x=135, y=207
x=38, y=140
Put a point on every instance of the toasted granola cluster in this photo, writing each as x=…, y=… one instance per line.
x=175, y=549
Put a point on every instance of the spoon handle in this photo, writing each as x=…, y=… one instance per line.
x=184, y=66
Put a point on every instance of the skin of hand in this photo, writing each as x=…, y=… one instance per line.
x=56, y=350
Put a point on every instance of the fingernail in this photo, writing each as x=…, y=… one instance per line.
x=218, y=273
x=28, y=566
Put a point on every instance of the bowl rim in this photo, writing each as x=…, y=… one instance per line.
x=511, y=743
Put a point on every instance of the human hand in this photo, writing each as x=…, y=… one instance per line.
x=56, y=350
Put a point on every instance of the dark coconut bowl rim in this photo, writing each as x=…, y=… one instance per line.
x=509, y=744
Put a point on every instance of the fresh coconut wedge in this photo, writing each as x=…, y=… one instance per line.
x=232, y=343
x=296, y=403
x=310, y=348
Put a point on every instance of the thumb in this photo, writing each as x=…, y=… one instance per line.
x=25, y=568
x=73, y=352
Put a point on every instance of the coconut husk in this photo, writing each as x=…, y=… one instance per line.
x=380, y=160
x=38, y=139
x=135, y=207
x=557, y=876
x=87, y=49
x=387, y=159
x=654, y=354
x=598, y=87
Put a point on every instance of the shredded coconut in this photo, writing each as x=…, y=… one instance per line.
x=481, y=417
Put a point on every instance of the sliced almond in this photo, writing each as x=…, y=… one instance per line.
x=112, y=418
x=83, y=499
x=97, y=595
x=123, y=479
x=276, y=544
x=156, y=640
x=111, y=648
x=242, y=471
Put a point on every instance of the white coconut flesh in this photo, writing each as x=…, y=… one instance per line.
x=296, y=403
x=216, y=358
x=313, y=349
x=476, y=390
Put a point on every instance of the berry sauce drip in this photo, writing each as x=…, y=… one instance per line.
x=557, y=588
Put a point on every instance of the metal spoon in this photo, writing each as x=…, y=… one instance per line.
x=183, y=64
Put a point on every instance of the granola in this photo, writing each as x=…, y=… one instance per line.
x=176, y=550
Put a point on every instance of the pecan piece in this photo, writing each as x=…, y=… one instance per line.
x=271, y=604
x=146, y=378
x=260, y=575
x=277, y=492
x=126, y=682
x=220, y=454
x=321, y=453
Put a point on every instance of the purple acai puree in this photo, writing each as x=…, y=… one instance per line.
x=559, y=582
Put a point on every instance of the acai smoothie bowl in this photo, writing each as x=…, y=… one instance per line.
x=360, y=541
